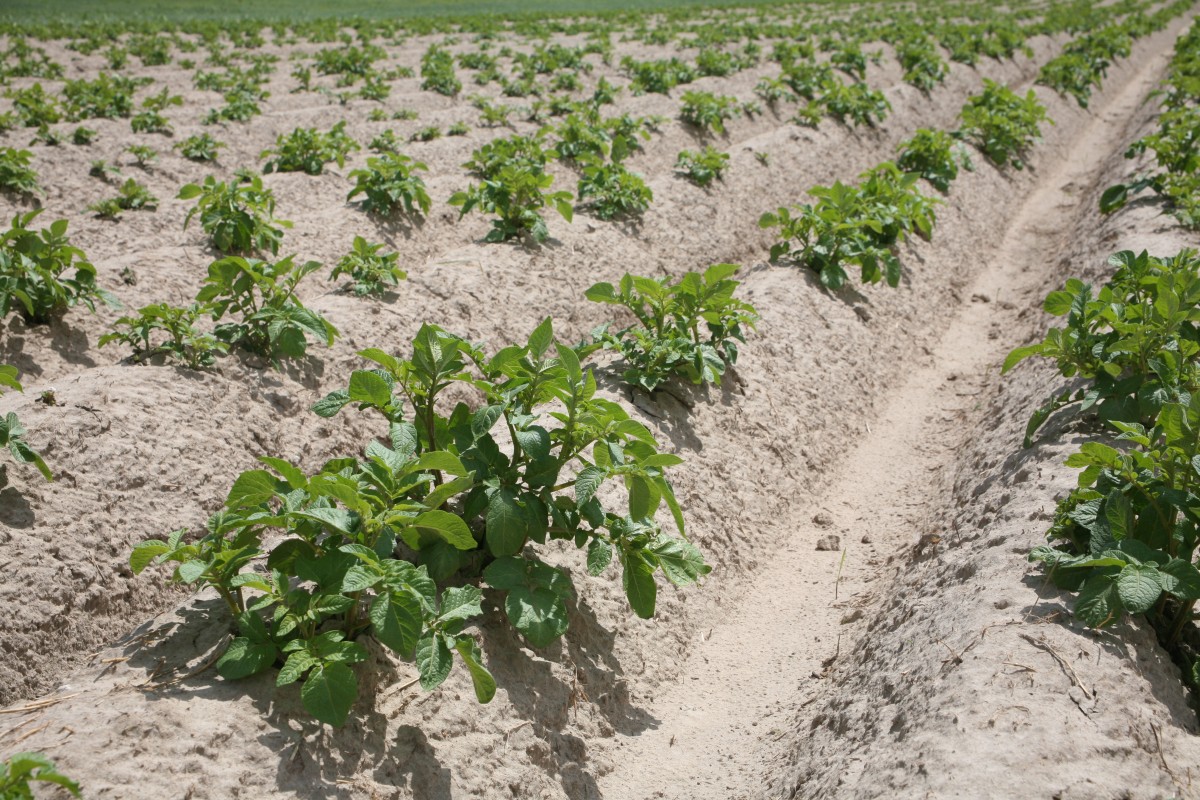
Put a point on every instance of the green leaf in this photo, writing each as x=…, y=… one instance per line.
x=331, y=403
x=396, y=619
x=370, y=387
x=329, y=693
x=506, y=529
x=638, y=581
x=485, y=684
x=587, y=482
x=539, y=614
x=1138, y=587
x=145, y=552
x=433, y=660
x=599, y=556
x=443, y=461
x=1098, y=603
x=299, y=662
x=338, y=519
x=506, y=573
x=681, y=561
x=244, y=658
x=252, y=488
x=541, y=338
x=461, y=603
x=448, y=526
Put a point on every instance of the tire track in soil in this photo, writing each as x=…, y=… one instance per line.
x=725, y=726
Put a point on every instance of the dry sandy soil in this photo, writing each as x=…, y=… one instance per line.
x=916, y=656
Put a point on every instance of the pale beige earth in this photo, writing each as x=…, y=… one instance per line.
x=920, y=657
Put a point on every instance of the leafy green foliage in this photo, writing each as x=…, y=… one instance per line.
x=855, y=102
x=1135, y=340
x=611, y=190
x=34, y=107
x=168, y=331
x=702, y=167
x=923, y=65
x=689, y=328
x=935, y=156
x=1002, y=124
x=16, y=174
x=239, y=217
x=41, y=274
x=515, y=186
x=437, y=72
x=1126, y=538
x=17, y=772
x=83, y=136
x=854, y=225
x=707, y=111
x=1084, y=62
x=132, y=196
x=12, y=439
x=373, y=271
x=426, y=134
x=362, y=546
x=269, y=319
x=390, y=184
x=309, y=150
x=200, y=147
x=105, y=97
x=143, y=155
x=659, y=77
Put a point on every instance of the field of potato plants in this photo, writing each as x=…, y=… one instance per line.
x=799, y=400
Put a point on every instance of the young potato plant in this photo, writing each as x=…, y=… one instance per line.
x=437, y=72
x=702, y=167
x=1126, y=539
x=17, y=772
x=239, y=216
x=611, y=191
x=309, y=150
x=688, y=329
x=707, y=112
x=366, y=545
x=1136, y=340
x=1177, y=179
x=269, y=319
x=935, y=156
x=132, y=196
x=854, y=103
x=200, y=148
x=515, y=187
x=373, y=272
x=12, y=439
x=1002, y=124
x=42, y=275
x=390, y=185
x=16, y=174
x=168, y=331
x=83, y=136
x=854, y=225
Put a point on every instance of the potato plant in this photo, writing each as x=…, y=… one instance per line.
x=859, y=225
x=689, y=328
x=707, y=112
x=132, y=196
x=702, y=167
x=309, y=150
x=239, y=216
x=201, y=147
x=268, y=318
x=16, y=174
x=12, y=439
x=1002, y=124
x=390, y=185
x=167, y=331
x=373, y=271
x=610, y=191
x=935, y=156
x=21, y=769
x=1136, y=340
x=1126, y=539
x=42, y=274
x=365, y=546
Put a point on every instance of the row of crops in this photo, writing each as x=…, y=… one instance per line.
x=397, y=543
